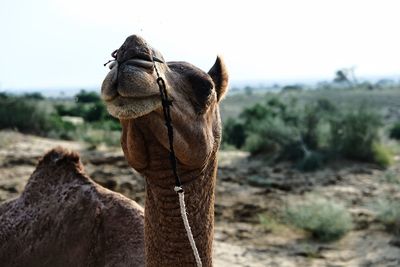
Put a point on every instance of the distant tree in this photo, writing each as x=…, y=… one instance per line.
x=341, y=77
x=385, y=83
x=276, y=86
x=3, y=95
x=248, y=90
x=292, y=88
x=254, y=114
x=34, y=96
x=346, y=75
x=87, y=97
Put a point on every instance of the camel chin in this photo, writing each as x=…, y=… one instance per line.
x=131, y=108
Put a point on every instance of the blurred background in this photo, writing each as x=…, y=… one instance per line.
x=309, y=162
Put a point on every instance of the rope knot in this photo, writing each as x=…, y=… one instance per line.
x=168, y=102
x=178, y=189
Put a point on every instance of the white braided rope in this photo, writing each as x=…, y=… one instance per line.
x=187, y=228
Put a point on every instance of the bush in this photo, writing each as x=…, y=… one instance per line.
x=88, y=106
x=287, y=130
x=325, y=220
x=256, y=144
x=274, y=136
x=109, y=124
x=33, y=96
x=354, y=134
x=382, y=155
x=234, y=133
x=283, y=130
x=87, y=97
x=4, y=95
x=251, y=116
x=310, y=122
x=388, y=213
x=76, y=110
x=313, y=122
x=308, y=135
x=26, y=116
x=311, y=161
x=95, y=112
x=394, y=132
x=31, y=114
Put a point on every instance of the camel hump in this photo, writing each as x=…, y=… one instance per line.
x=57, y=167
x=60, y=160
x=58, y=156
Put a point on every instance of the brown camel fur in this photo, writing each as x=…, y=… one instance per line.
x=63, y=218
x=131, y=94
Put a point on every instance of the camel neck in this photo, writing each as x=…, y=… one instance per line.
x=166, y=242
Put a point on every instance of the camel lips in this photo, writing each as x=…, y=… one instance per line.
x=156, y=59
x=139, y=63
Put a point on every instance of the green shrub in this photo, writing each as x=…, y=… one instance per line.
x=311, y=161
x=34, y=115
x=253, y=115
x=394, y=132
x=26, y=116
x=308, y=135
x=95, y=112
x=285, y=131
x=388, y=213
x=108, y=124
x=382, y=155
x=324, y=219
x=61, y=129
x=75, y=110
x=234, y=133
x=274, y=136
x=326, y=106
x=4, y=95
x=33, y=96
x=353, y=134
x=310, y=121
x=88, y=106
x=256, y=144
x=314, y=123
x=87, y=97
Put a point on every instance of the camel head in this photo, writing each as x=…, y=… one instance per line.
x=131, y=94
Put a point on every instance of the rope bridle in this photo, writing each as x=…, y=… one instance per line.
x=166, y=105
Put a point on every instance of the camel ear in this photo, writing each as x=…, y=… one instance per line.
x=219, y=75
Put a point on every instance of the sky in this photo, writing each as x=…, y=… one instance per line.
x=63, y=44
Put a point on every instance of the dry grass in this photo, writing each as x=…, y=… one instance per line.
x=8, y=137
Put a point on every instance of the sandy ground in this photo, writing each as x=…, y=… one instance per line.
x=246, y=188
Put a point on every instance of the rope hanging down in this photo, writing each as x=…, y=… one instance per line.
x=166, y=104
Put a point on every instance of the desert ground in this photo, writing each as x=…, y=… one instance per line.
x=246, y=189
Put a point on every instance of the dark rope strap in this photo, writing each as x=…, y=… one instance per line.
x=166, y=104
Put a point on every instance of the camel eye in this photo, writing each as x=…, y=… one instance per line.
x=202, y=91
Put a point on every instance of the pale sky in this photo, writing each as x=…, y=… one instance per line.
x=63, y=44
